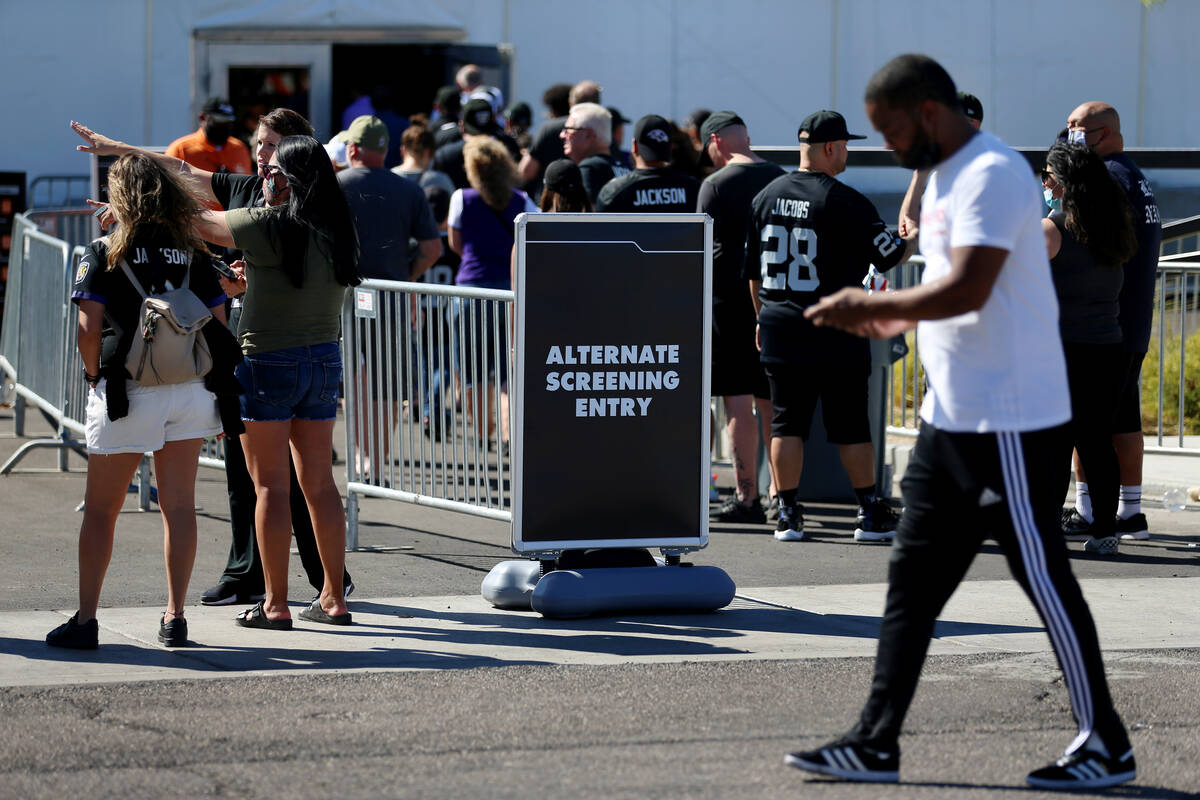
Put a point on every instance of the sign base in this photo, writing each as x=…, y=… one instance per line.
x=569, y=593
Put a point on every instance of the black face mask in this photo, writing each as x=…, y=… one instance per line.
x=924, y=152
x=218, y=132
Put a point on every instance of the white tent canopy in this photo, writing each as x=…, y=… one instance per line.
x=332, y=20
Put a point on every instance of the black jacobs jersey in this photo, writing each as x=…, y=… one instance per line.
x=659, y=190
x=809, y=236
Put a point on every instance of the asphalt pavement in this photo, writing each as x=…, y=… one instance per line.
x=433, y=693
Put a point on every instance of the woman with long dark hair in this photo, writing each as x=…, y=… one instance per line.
x=1089, y=235
x=300, y=256
x=152, y=251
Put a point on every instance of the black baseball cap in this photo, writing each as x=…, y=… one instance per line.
x=653, y=136
x=824, y=126
x=971, y=106
x=618, y=117
x=715, y=123
x=563, y=176
x=478, y=116
x=218, y=110
x=519, y=114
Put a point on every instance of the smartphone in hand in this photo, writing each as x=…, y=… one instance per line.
x=225, y=270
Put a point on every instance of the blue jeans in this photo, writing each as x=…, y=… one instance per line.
x=293, y=383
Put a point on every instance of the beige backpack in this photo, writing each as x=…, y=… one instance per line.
x=168, y=346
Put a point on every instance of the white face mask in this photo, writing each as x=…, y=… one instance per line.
x=1077, y=136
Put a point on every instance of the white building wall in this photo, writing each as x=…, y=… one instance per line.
x=774, y=61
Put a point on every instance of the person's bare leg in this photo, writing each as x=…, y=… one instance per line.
x=108, y=479
x=765, y=413
x=787, y=459
x=1130, y=449
x=175, y=469
x=859, y=461
x=310, y=442
x=743, y=433
x=266, y=448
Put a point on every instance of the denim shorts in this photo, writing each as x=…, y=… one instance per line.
x=293, y=383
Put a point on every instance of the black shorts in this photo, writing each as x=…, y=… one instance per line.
x=736, y=369
x=1128, y=416
x=795, y=390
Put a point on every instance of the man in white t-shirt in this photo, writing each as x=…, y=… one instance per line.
x=993, y=442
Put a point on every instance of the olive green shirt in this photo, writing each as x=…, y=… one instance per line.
x=276, y=315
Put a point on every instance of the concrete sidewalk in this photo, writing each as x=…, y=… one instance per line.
x=423, y=633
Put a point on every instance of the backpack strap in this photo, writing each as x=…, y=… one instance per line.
x=132, y=279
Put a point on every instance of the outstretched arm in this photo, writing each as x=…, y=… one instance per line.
x=199, y=180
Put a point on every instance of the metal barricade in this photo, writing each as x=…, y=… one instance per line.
x=427, y=410
x=75, y=226
x=1169, y=398
x=59, y=191
x=34, y=347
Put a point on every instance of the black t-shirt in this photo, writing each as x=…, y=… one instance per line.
x=809, y=236
x=1137, y=292
x=388, y=210
x=155, y=261
x=726, y=196
x=546, y=145
x=449, y=158
x=598, y=170
x=659, y=189
x=237, y=191
x=447, y=133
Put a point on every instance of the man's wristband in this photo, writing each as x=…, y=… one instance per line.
x=90, y=379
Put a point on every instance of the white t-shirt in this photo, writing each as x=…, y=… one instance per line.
x=1000, y=368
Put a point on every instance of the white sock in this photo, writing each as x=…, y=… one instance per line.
x=1083, y=500
x=1129, y=502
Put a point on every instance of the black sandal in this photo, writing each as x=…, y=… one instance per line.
x=315, y=613
x=257, y=618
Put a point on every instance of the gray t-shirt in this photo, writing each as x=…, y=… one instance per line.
x=388, y=211
x=427, y=177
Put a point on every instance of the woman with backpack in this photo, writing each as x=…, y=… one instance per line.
x=300, y=255
x=153, y=252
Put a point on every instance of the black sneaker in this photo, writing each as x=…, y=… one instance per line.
x=75, y=635
x=226, y=594
x=773, y=509
x=876, y=523
x=853, y=762
x=1074, y=527
x=734, y=510
x=174, y=632
x=790, y=527
x=1133, y=528
x=1084, y=769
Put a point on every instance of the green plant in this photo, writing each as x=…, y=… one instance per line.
x=1170, y=369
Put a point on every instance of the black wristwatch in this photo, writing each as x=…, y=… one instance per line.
x=90, y=379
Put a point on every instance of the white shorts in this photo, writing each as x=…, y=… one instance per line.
x=157, y=415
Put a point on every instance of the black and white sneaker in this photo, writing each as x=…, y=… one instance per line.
x=1133, y=528
x=734, y=510
x=1084, y=769
x=876, y=523
x=1074, y=527
x=849, y=761
x=790, y=527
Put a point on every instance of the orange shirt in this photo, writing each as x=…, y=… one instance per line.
x=196, y=150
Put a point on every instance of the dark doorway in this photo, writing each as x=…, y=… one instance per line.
x=253, y=91
x=410, y=73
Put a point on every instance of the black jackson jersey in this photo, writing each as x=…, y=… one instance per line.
x=809, y=236
x=658, y=190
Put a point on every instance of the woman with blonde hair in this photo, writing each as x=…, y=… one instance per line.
x=153, y=250
x=481, y=231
